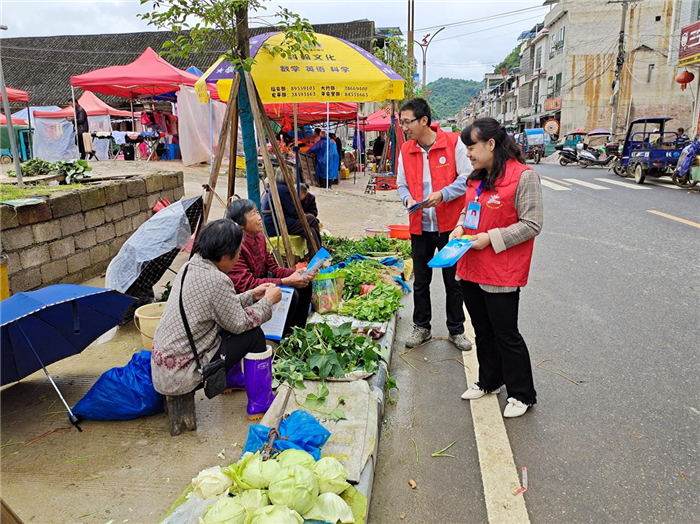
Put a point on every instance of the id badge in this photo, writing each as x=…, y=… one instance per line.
x=471, y=220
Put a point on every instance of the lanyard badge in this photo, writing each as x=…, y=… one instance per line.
x=471, y=220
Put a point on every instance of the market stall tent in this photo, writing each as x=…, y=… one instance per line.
x=378, y=121
x=16, y=95
x=15, y=121
x=54, y=135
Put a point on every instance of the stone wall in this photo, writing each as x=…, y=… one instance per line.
x=72, y=236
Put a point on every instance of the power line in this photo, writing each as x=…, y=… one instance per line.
x=488, y=28
x=483, y=19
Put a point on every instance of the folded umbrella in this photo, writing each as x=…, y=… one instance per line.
x=41, y=327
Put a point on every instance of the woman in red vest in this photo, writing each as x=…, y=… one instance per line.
x=503, y=212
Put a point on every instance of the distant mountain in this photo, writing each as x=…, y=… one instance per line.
x=449, y=95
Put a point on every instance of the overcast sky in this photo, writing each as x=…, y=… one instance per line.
x=464, y=49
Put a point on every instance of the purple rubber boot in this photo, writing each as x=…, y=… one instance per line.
x=235, y=379
x=258, y=383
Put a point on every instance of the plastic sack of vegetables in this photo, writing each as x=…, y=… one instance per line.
x=295, y=487
x=327, y=291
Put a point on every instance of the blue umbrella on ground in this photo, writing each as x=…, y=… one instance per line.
x=41, y=327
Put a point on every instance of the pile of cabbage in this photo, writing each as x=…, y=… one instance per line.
x=287, y=489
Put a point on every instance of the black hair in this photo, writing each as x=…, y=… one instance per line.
x=317, y=131
x=680, y=130
x=303, y=187
x=420, y=108
x=219, y=238
x=332, y=135
x=483, y=130
x=238, y=209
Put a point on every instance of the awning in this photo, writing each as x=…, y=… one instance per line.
x=538, y=116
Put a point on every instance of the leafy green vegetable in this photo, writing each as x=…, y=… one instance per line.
x=275, y=515
x=321, y=351
x=331, y=475
x=228, y=510
x=344, y=248
x=294, y=457
x=295, y=487
x=379, y=305
x=73, y=169
x=251, y=472
x=211, y=482
x=329, y=507
x=358, y=273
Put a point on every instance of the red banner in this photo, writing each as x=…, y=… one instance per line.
x=689, y=52
x=552, y=104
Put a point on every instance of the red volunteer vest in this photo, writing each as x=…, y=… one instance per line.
x=443, y=171
x=510, y=267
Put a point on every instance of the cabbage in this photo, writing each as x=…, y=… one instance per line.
x=211, y=482
x=295, y=457
x=276, y=515
x=295, y=487
x=252, y=473
x=329, y=507
x=253, y=499
x=227, y=510
x=331, y=476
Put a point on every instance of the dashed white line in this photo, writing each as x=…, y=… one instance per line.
x=659, y=184
x=585, y=184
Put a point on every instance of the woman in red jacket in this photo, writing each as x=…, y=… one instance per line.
x=503, y=212
x=256, y=266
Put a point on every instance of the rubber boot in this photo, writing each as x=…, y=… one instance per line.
x=235, y=379
x=258, y=383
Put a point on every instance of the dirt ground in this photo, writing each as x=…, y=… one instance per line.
x=132, y=471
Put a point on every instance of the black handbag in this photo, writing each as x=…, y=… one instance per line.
x=214, y=373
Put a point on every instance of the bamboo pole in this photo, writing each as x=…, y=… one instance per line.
x=213, y=177
x=233, y=149
x=277, y=203
x=283, y=165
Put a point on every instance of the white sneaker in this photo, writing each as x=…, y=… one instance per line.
x=514, y=408
x=475, y=392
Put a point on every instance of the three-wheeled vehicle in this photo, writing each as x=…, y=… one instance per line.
x=23, y=137
x=567, y=147
x=531, y=143
x=649, y=149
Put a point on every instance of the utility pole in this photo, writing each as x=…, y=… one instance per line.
x=619, y=63
x=10, y=128
x=411, y=26
x=424, y=47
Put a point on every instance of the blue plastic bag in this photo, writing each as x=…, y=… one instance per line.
x=122, y=393
x=303, y=430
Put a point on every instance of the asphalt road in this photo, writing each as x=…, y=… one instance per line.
x=611, y=319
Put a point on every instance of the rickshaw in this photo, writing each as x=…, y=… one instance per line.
x=23, y=138
x=531, y=143
x=649, y=149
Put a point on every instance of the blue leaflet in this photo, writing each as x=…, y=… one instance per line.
x=416, y=207
x=450, y=254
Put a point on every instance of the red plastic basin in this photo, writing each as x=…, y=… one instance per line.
x=399, y=231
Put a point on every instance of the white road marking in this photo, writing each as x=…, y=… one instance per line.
x=585, y=184
x=659, y=184
x=628, y=185
x=498, y=472
x=552, y=185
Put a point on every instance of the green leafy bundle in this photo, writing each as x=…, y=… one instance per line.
x=378, y=305
x=344, y=248
x=321, y=351
x=73, y=169
x=358, y=273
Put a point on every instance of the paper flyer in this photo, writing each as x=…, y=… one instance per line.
x=450, y=254
x=274, y=327
x=321, y=256
x=416, y=207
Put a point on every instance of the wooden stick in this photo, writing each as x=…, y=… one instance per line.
x=233, y=149
x=213, y=177
x=277, y=203
x=288, y=178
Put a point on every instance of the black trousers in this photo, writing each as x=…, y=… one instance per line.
x=500, y=348
x=423, y=248
x=235, y=347
x=298, y=309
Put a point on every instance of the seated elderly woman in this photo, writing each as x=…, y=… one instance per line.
x=222, y=322
x=256, y=266
x=291, y=218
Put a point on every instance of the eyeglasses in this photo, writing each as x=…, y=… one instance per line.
x=404, y=123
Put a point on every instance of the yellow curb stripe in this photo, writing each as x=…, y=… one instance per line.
x=677, y=219
x=552, y=185
x=498, y=472
x=556, y=180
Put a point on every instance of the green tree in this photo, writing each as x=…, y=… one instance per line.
x=395, y=55
x=448, y=95
x=511, y=61
x=204, y=24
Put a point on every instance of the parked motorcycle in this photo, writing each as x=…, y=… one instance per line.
x=567, y=155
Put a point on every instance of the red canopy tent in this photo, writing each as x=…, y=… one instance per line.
x=312, y=112
x=16, y=95
x=92, y=105
x=15, y=121
x=146, y=77
x=377, y=121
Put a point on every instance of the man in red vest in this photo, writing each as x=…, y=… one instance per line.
x=432, y=168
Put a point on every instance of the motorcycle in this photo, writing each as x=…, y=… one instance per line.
x=567, y=155
x=606, y=156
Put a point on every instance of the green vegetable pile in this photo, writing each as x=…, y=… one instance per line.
x=379, y=305
x=343, y=248
x=358, y=273
x=321, y=351
x=287, y=489
x=73, y=169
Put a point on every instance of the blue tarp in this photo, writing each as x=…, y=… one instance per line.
x=302, y=429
